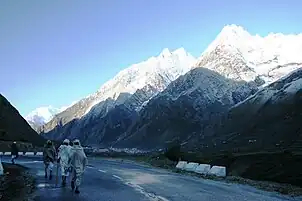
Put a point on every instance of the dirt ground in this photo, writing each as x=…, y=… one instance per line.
x=16, y=184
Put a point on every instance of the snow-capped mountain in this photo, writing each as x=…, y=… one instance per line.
x=238, y=55
x=42, y=115
x=156, y=71
x=140, y=81
x=199, y=99
x=186, y=107
x=166, y=97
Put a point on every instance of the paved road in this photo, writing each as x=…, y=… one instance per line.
x=114, y=180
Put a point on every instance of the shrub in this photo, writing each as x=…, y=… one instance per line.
x=173, y=153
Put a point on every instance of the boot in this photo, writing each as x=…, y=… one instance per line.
x=63, y=180
x=72, y=185
x=45, y=175
x=50, y=175
x=77, y=190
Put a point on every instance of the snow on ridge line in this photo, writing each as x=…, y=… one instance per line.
x=137, y=76
x=268, y=92
x=276, y=49
x=135, y=72
x=234, y=33
x=134, y=67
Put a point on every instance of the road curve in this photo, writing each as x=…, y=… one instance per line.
x=117, y=180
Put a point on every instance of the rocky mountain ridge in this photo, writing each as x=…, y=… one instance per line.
x=177, y=105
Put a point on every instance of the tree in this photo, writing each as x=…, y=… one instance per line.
x=173, y=152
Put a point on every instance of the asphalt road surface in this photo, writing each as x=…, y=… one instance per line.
x=117, y=180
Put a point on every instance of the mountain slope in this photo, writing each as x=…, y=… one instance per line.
x=133, y=87
x=184, y=109
x=259, y=138
x=13, y=127
x=268, y=120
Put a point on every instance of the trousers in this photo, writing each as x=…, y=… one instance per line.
x=77, y=177
x=64, y=170
x=49, y=166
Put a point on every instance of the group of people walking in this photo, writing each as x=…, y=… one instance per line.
x=71, y=158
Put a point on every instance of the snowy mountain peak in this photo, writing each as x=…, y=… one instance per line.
x=137, y=84
x=230, y=36
x=157, y=72
x=165, y=53
x=181, y=52
x=238, y=55
x=42, y=115
x=233, y=30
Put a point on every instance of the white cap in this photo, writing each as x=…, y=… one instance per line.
x=66, y=141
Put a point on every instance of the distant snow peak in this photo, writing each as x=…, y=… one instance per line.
x=233, y=29
x=181, y=52
x=43, y=114
x=165, y=53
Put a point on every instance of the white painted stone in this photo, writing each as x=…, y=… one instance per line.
x=29, y=154
x=20, y=153
x=181, y=165
x=191, y=166
x=219, y=171
x=1, y=167
x=1, y=153
x=39, y=154
x=203, y=168
x=7, y=153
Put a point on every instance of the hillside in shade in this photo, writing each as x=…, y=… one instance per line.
x=13, y=127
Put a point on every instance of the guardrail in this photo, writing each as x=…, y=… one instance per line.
x=22, y=153
x=205, y=169
x=29, y=153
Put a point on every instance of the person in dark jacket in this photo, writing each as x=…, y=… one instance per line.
x=49, y=157
x=14, y=152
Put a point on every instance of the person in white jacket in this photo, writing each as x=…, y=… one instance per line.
x=78, y=161
x=64, y=160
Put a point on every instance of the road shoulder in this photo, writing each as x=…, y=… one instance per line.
x=17, y=184
x=165, y=164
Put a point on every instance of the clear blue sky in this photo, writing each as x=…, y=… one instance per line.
x=53, y=52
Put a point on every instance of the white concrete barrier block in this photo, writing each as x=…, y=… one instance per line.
x=203, y=168
x=219, y=171
x=1, y=153
x=39, y=154
x=29, y=154
x=7, y=153
x=20, y=153
x=191, y=166
x=181, y=165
